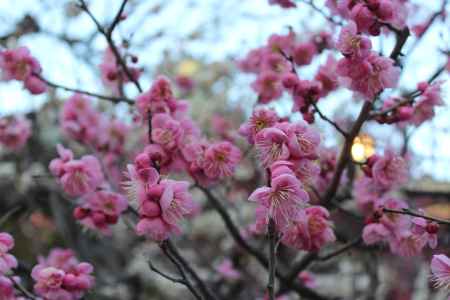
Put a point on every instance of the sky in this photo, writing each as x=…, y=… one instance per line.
x=222, y=30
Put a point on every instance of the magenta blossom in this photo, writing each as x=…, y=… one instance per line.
x=389, y=170
x=268, y=86
x=370, y=76
x=427, y=230
x=310, y=230
x=351, y=44
x=303, y=141
x=283, y=199
x=159, y=99
x=271, y=145
x=261, y=118
x=77, y=177
x=100, y=210
x=7, y=260
x=14, y=132
x=227, y=270
x=67, y=279
x=221, y=159
x=166, y=131
x=440, y=269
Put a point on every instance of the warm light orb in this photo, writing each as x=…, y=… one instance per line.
x=187, y=67
x=363, y=147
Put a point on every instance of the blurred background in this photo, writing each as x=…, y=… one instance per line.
x=202, y=40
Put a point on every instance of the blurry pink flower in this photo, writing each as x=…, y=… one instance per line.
x=221, y=159
x=310, y=230
x=261, y=118
x=327, y=76
x=7, y=288
x=35, y=85
x=407, y=244
x=268, y=86
x=271, y=145
x=425, y=106
x=370, y=76
x=283, y=3
x=101, y=209
x=18, y=64
x=390, y=170
x=375, y=233
x=283, y=199
x=304, y=53
x=14, y=132
x=308, y=279
x=426, y=230
x=77, y=177
x=157, y=100
x=79, y=120
x=185, y=83
x=176, y=201
x=440, y=269
x=303, y=141
x=62, y=281
x=7, y=261
x=351, y=44
x=227, y=270
x=166, y=131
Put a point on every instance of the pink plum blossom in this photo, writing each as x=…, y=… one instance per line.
x=271, y=145
x=7, y=260
x=261, y=118
x=440, y=269
x=351, y=44
x=221, y=159
x=310, y=230
x=227, y=270
x=100, y=210
x=14, y=132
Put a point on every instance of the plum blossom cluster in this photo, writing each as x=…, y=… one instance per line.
x=162, y=204
x=287, y=151
x=112, y=73
x=82, y=122
x=405, y=236
x=61, y=276
x=14, y=132
x=7, y=263
x=18, y=64
x=176, y=141
x=98, y=207
x=275, y=66
x=370, y=16
x=362, y=70
x=440, y=270
x=413, y=112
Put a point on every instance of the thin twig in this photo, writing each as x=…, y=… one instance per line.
x=271, y=233
x=326, y=119
x=22, y=289
x=260, y=257
x=409, y=212
x=69, y=89
x=179, y=267
x=345, y=248
x=207, y=293
x=322, y=13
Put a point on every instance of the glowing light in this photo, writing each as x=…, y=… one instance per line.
x=363, y=147
x=187, y=67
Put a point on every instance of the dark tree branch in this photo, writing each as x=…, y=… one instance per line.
x=260, y=257
x=326, y=119
x=272, y=235
x=207, y=293
x=180, y=269
x=103, y=97
x=345, y=248
x=409, y=212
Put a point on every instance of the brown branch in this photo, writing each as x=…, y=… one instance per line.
x=406, y=211
x=410, y=97
x=69, y=89
x=260, y=257
x=179, y=267
x=207, y=293
x=326, y=119
x=271, y=233
x=322, y=13
x=22, y=289
x=345, y=248
x=110, y=41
